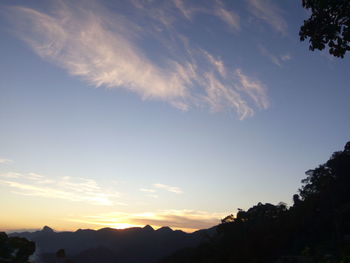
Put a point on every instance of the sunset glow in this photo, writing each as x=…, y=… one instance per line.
x=164, y=113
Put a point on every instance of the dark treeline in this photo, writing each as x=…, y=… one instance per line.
x=15, y=249
x=315, y=229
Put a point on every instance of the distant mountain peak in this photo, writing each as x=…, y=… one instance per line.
x=148, y=227
x=47, y=229
x=165, y=229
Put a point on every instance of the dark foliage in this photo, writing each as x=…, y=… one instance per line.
x=329, y=25
x=315, y=229
x=15, y=249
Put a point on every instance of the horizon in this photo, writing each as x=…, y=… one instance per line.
x=131, y=113
x=155, y=228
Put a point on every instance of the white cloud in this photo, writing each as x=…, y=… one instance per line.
x=169, y=188
x=270, y=13
x=228, y=16
x=152, y=195
x=78, y=190
x=87, y=48
x=219, y=10
x=5, y=161
x=276, y=59
x=11, y=175
x=35, y=176
x=221, y=96
x=185, y=10
x=104, y=49
x=254, y=88
x=147, y=190
x=286, y=57
x=217, y=63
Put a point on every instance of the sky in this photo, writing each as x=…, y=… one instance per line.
x=168, y=113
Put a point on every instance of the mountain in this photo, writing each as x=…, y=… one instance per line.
x=107, y=245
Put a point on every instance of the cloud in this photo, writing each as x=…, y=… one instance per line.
x=217, y=63
x=254, y=88
x=276, y=59
x=87, y=48
x=169, y=188
x=152, y=195
x=5, y=161
x=185, y=10
x=78, y=190
x=218, y=10
x=286, y=57
x=11, y=175
x=227, y=16
x=35, y=176
x=30, y=176
x=147, y=190
x=270, y=13
x=187, y=220
x=221, y=96
x=106, y=50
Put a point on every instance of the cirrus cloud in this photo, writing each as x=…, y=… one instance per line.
x=5, y=161
x=67, y=188
x=172, y=189
x=105, y=49
x=270, y=13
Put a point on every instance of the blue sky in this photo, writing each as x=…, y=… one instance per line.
x=123, y=113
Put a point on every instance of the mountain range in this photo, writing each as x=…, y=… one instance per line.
x=108, y=245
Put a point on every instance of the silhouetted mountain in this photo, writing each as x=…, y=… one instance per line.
x=47, y=229
x=141, y=245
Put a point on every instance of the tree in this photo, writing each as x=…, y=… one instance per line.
x=329, y=180
x=15, y=249
x=315, y=229
x=328, y=25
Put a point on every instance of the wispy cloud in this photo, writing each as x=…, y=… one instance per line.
x=218, y=9
x=152, y=195
x=5, y=161
x=228, y=16
x=217, y=63
x=78, y=190
x=147, y=190
x=220, y=96
x=276, y=59
x=187, y=220
x=185, y=10
x=254, y=88
x=286, y=57
x=168, y=188
x=106, y=50
x=270, y=13
x=11, y=175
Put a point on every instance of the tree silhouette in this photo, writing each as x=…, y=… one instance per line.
x=315, y=229
x=15, y=249
x=328, y=25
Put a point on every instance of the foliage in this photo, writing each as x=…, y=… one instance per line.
x=328, y=25
x=315, y=229
x=15, y=249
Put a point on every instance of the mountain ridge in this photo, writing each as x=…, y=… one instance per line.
x=113, y=245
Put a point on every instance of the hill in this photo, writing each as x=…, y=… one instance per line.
x=141, y=245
